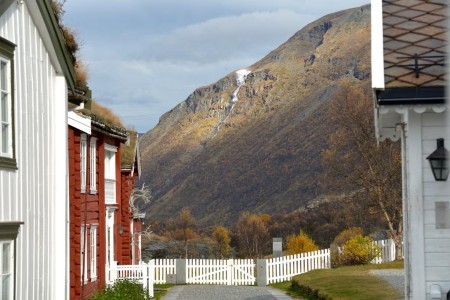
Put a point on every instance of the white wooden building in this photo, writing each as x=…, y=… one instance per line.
x=408, y=80
x=36, y=72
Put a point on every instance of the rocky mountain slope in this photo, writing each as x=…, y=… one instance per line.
x=252, y=140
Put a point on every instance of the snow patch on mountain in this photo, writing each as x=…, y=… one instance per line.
x=241, y=76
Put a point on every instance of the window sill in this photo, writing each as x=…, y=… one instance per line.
x=93, y=279
x=8, y=163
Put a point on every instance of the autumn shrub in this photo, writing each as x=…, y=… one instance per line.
x=358, y=250
x=300, y=243
x=122, y=289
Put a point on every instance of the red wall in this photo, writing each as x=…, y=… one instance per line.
x=90, y=209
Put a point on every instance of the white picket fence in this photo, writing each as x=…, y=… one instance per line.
x=143, y=273
x=234, y=271
x=283, y=268
x=220, y=271
x=387, y=253
x=162, y=268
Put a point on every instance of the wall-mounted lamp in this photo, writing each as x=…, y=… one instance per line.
x=121, y=229
x=438, y=161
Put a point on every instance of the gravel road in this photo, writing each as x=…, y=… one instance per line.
x=395, y=277
x=220, y=292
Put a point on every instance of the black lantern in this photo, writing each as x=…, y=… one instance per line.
x=438, y=161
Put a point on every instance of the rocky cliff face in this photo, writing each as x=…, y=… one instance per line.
x=254, y=143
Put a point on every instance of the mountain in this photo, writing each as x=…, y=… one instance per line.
x=252, y=140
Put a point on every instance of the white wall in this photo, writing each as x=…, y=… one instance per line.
x=437, y=241
x=429, y=248
x=31, y=194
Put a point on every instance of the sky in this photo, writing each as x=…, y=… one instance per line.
x=146, y=56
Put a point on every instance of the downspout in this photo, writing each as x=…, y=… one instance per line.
x=405, y=204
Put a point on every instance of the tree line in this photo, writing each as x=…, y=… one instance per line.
x=360, y=176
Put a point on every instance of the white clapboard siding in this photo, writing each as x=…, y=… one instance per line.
x=162, y=268
x=36, y=193
x=283, y=268
x=436, y=241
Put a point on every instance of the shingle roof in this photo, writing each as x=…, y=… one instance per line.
x=414, y=33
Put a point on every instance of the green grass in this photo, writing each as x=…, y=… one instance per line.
x=161, y=289
x=346, y=283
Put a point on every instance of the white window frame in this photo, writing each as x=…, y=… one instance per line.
x=7, y=273
x=110, y=174
x=93, y=253
x=83, y=254
x=5, y=109
x=7, y=130
x=83, y=162
x=93, y=165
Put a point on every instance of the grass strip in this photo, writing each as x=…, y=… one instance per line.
x=353, y=282
x=161, y=289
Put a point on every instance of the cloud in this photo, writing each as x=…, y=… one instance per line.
x=145, y=56
x=225, y=37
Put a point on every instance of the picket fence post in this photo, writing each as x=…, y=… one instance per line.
x=113, y=272
x=181, y=271
x=151, y=277
x=261, y=276
x=144, y=275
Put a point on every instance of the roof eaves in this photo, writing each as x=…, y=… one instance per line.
x=58, y=40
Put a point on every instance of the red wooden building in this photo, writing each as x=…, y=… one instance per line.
x=99, y=200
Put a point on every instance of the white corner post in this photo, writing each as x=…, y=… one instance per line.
x=415, y=249
x=377, y=54
x=59, y=201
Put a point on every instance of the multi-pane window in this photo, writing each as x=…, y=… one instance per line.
x=93, y=165
x=83, y=162
x=93, y=253
x=6, y=270
x=83, y=254
x=7, y=151
x=110, y=174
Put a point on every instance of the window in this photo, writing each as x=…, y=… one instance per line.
x=83, y=254
x=93, y=252
x=83, y=162
x=93, y=165
x=7, y=142
x=110, y=174
x=8, y=234
x=6, y=269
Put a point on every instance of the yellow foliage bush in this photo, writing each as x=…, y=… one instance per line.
x=300, y=243
x=358, y=250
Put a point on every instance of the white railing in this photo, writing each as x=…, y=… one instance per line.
x=219, y=271
x=283, y=268
x=143, y=273
x=162, y=268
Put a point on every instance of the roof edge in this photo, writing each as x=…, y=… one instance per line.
x=58, y=40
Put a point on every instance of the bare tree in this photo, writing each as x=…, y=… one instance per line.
x=354, y=161
x=141, y=195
